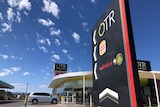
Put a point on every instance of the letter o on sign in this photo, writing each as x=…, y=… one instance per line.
x=58, y=66
x=101, y=29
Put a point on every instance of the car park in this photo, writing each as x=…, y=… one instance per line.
x=42, y=97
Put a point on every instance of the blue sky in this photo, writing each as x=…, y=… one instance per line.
x=36, y=34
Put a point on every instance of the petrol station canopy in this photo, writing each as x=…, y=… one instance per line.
x=149, y=75
x=5, y=85
x=59, y=80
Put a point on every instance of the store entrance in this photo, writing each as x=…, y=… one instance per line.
x=76, y=95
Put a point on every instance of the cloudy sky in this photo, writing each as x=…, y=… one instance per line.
x=36, y=34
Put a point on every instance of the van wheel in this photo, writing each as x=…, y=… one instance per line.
x=34, y=101
x=54, y=101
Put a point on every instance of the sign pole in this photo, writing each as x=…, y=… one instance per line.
x=156, y=89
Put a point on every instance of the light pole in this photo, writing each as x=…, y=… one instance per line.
x=26, y=97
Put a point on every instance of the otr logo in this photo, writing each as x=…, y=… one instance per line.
x=103, y=27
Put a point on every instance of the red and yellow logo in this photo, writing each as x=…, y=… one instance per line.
x=102, y=47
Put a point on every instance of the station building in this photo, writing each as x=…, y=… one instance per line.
x=74, y=85
x=4, y=95
x=77, y=86
x=5, y=85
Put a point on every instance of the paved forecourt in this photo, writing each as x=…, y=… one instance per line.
x=21, y=104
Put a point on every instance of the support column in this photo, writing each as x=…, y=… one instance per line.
x=156, y=89
x=84, y=89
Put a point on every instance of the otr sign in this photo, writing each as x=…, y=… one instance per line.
x=116, y=80
x=143, y=65
x=60, y=67
x=104, y=26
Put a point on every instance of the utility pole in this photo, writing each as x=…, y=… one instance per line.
x=26, y=97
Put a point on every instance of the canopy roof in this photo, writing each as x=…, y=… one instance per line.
x=71, y=76
x=59, y=80
x=5, y=85
x=149, y=75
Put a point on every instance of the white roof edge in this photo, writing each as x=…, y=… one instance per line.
x=149, y=71
x=72, y=74
x=84, y=73
x=155, y=71
x=60, y=77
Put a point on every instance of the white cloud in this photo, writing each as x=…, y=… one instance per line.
x=80, y=15
x=57, y=42
x=24, y=4
x=41, y=41
x=13, y=57
x=45, y=22
x=48, y=42
x=5, y=46
x=70, y=58
x=26, y=13
x=65, y=51
x=21, y=4
x=93, y=1
x=13, y=3
x=53, y=31
x=20, y=58
x=32, y=49
x=15, y=69
x=5, y=72
x=18, y=18
x=73, y=7
x=4, y=56
x=44, y=41
x=6, y=27
x=10, y=71
x=26, y=73
x=1, y=17
x=18, y=84
x=19, y=87
x=51, y=7
x=43, y=86
x=84, y=44
x=47, y=74
x=76, y=37
x=53, y=60
x=85, y=24
x=44, y=49
x=10, y=14
x=56, y=57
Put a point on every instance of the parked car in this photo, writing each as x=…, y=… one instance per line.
x=6, y=95
x=40, y=97
x=2, y=95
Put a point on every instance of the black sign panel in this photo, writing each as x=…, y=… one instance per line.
x=116, y=81
x=143, y=65
x=60, y=67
